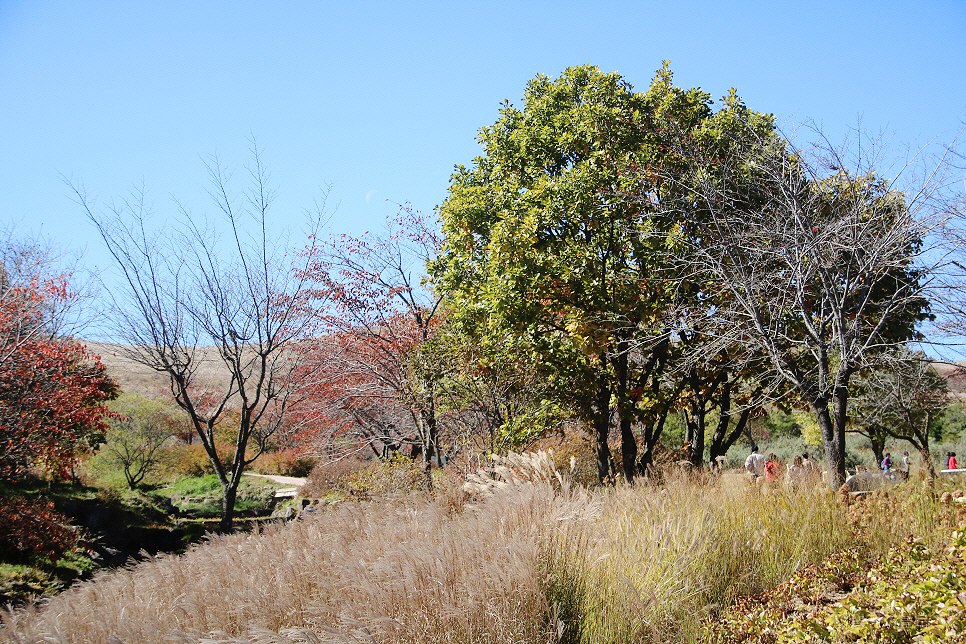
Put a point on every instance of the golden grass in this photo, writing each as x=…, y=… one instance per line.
x=529, y=559
x=403, y=571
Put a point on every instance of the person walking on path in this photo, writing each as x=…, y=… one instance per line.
x=755, y=464
x=796, y=472
x=813, y=473
x=772, y=469
x=951, y=460
x=906, y=463
x=887, y=462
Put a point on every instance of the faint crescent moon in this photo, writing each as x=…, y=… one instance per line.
x=370, y=194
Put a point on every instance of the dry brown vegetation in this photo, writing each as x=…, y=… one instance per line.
x=527, y=558
x=138, y=379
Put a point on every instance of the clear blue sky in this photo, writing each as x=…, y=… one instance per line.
x=381, y=99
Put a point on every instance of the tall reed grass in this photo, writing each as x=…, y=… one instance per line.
x=530, y=559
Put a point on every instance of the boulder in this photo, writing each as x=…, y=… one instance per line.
x=872, y=480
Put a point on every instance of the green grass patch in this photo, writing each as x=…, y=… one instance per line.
x=203, y=495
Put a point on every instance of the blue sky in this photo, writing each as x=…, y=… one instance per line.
x=381, y=99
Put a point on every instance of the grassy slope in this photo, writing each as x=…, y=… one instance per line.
x=136, y=378
x=527, y=563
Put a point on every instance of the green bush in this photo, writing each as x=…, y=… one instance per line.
x=914, y=593
x=179, y=461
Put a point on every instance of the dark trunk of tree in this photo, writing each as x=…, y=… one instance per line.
x=927, y=463
x=694, y=434
x=877, y=443
x=628, y=440
x=840, y=400
x=653, y=429
x=228, y=507
x=924, y=448
x=601, y=420
x=723, y=439
x=834, y=449
x=628, y=450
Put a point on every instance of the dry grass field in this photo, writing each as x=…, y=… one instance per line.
x=526, y=559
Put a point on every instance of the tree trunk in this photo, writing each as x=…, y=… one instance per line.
x=228, y=507
x=840, y=401
x=601, y=416
x=834, y=456
x=877, y=442
x=628, y=440
x=628, y=450
x=722, y=440
x=652, y=431
x=694, y=434
x=927, y=462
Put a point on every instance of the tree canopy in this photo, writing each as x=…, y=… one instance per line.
x=559, y=232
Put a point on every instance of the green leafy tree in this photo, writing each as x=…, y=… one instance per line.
x=136, y=434
x=951, y=424
x=548, y=239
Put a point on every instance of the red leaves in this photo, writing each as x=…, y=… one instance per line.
x=29, y=529
x=51, y=391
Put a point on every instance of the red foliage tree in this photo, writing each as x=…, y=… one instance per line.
x=51, y=390
x=360, y=395
x=30, y=529
x=368, y=380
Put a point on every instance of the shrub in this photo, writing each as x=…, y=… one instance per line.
x=398, y=473
x=179, y=461
x=331, y=477
x=286, y=462
x=914, y=593
x=33, y=530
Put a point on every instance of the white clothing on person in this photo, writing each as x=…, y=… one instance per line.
x=755, y=463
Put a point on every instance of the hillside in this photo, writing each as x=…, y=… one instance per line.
x=955, y=374
x=136, y=378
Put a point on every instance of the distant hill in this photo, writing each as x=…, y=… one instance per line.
x=136, y=378
x=955, y=374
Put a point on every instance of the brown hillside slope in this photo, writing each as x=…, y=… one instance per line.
x=136, y=378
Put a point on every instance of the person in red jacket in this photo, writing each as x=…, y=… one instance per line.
x=951, y=461
x=772, y=469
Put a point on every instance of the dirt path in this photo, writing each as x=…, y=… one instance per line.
x=284, y=480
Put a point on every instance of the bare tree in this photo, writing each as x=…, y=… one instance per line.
x=824, y=263
x=383, y=313
x=186, y=288
x=902, y=398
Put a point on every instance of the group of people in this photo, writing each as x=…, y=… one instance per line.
x=770, y=470
x=904, y=464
